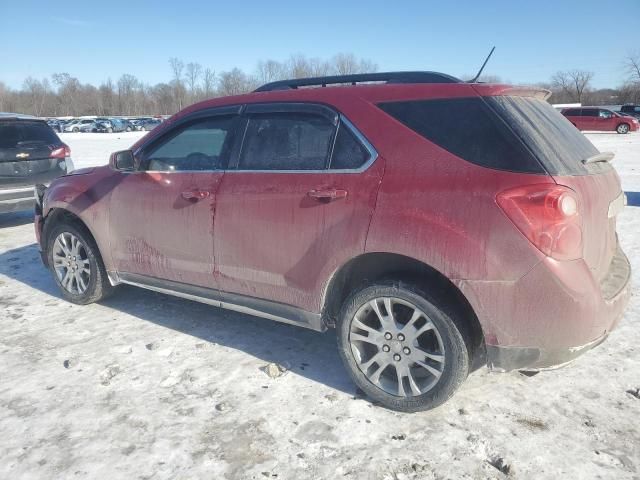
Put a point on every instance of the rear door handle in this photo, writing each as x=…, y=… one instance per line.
x=195, y=195
x=328, y=194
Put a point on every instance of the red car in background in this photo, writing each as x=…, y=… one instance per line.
x=601, y=120
x=437, y=224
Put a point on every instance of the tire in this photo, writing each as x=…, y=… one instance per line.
x=128, y=129
x=96, y=283
x=109, y=130
x=439, y=375
x=75, y=130
x=622, y=128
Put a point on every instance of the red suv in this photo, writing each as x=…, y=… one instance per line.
x=439, y=225
x=601, y=119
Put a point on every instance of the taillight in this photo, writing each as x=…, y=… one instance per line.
x=549, y=216
x=62, y=152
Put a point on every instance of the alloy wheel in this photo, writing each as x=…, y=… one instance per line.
x=397, y=347
x=71, y=263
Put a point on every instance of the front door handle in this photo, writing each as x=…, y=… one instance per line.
x=328, y=194
x=195, y=195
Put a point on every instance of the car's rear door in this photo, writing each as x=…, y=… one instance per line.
x=30, y=153
x=296, y=206
x=161, y=216
x=590, y=119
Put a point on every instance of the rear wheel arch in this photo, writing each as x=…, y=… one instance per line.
x=370, y=268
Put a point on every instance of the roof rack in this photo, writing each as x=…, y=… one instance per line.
x=387, y=77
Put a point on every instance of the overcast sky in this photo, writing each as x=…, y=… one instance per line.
x=95, y=40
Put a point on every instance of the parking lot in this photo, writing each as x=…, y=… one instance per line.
x=149, y=386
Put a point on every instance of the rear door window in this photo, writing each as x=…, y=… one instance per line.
x=590, y=112
x=286, y=141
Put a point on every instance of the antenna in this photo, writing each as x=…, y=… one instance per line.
x=475, y=79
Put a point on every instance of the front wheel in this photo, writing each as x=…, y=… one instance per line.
x=623, y=128
x=75, y=130
x=76, y=264
x=401, y=348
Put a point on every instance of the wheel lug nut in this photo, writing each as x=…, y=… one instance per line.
x=397, y=357
x=385, y=348
x=388, y=336
x=401, y=337
x=406, y=350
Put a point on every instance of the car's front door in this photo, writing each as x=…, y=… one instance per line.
x=297, y=205
x=606, y=120
x=161, y=216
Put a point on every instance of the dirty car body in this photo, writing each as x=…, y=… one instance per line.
x=424, y=214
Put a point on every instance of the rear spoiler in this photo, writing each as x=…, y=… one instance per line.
x=599, y=157
x=517, y=91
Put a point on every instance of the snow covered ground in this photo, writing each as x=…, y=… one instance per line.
x=149, y=386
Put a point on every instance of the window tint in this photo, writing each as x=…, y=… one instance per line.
x=573, y=112
x=556, y=143
x=468, y=128
x=286, y=141
x=16, y=134
x=198, y=146
x=348, y=152
x=589, y=112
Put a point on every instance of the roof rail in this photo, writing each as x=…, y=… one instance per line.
x=387, y=77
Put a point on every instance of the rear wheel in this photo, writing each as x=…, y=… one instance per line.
x=76, y=264
x=75, y=130
x=401, y=348
x=109, y=130
x=623, y=128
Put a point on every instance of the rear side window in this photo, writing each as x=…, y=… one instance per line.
x=286, y=141
x=574, y=112
x=589, y=112
x=556, y=143
x=17, y=134
x=468, y=128
x=348, y=152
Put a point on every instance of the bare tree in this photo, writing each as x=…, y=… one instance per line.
x=208, y=82
x=192, y=74
x=348, y=63
x=632, y=65
x=234, y=82
x=177, y=67
x=574, y=83
x=270, y=71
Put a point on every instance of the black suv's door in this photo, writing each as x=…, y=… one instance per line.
x=30, y=153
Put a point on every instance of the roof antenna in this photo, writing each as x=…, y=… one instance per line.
x=475, y=79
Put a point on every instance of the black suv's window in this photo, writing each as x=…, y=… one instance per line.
x=14, y=134
x=348, y=152
x=200, y=145
x=286, y=141
x=630, y=109
x=468, y=128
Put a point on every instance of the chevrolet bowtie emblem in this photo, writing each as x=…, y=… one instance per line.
x=22, y=155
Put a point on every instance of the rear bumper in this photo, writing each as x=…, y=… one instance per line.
x=17, y=199
x=551, y=315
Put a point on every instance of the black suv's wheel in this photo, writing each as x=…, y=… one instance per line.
x=76, y=264
x=623, y=128
x=401, y=348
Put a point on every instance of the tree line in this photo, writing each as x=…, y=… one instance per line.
x=64, y=95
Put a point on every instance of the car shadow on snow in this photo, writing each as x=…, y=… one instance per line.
x=15, y=219
x=304, y=352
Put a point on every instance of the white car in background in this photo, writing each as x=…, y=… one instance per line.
x=78, y=125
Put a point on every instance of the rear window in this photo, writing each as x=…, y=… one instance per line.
x=518, y=134
x=16, y=134
x=555, y=142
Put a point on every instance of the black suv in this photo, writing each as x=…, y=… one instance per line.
x=633, y=110
x=30, y=153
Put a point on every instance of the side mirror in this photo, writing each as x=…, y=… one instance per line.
x=123, y=161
